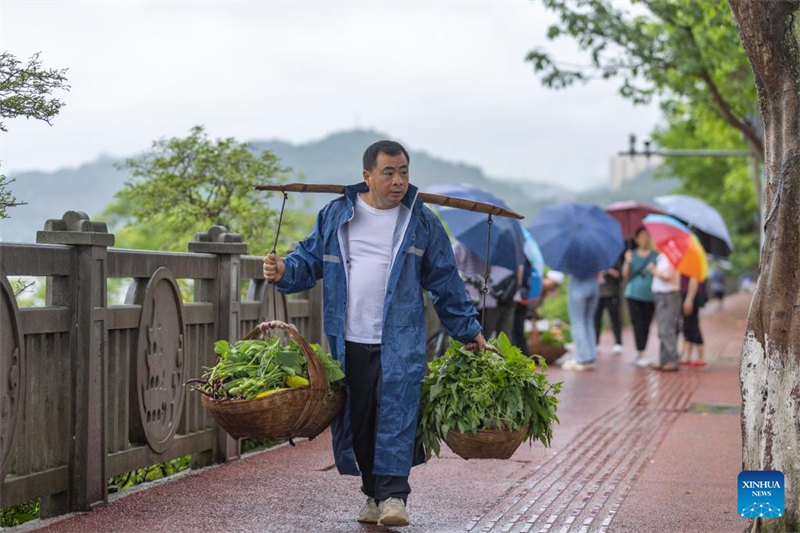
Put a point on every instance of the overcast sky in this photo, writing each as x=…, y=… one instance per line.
x=446, y=77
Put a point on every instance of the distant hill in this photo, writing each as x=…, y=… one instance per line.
x=337, y=159
x=88, y=188
x=333, y=159
x=642, y=188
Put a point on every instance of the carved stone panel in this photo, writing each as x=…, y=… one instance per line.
x=160, y=364
x=12, y=371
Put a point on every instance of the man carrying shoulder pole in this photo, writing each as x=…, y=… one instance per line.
x=376, y=248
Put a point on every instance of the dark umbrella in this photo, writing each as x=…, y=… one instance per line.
x=507, y=241
x=579, y=239
x=630, y=215
x=703, y=219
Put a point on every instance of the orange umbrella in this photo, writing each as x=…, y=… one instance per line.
x=679, y=244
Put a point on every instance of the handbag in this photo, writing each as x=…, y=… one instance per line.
x=505, y=290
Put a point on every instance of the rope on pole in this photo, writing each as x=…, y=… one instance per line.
x=274, y=252
x=485, y=289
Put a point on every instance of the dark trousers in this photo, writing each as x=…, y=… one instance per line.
x=612, y=304
x=641, y=318
x=363, y=367
x=518, y=330
x=498, y=319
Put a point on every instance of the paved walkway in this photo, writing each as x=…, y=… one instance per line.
x=636, y=452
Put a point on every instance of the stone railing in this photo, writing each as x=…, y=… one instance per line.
x=90, y=390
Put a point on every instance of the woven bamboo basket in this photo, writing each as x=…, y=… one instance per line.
x=548, y=351
x=295, y=412
x=486, y=443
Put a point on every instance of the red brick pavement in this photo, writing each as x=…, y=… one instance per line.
x=627, y=457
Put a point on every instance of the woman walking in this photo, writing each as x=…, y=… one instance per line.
x=639, y=292
x=667, y=295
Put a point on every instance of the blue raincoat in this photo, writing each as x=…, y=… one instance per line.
x=421, y=259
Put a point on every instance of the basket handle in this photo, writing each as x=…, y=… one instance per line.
x=316, y=373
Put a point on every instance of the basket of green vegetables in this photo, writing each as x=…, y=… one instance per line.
x=485, y=404
x=547, y=344
x=262, y=387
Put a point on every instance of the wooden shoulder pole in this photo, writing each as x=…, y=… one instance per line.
x=437, y=199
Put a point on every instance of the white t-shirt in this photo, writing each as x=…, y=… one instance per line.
x=665, y=268
x=370, y=237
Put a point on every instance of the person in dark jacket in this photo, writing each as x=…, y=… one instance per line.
x=376, y=248
x=610, y=283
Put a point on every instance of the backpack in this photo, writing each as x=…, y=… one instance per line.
x=505, y=290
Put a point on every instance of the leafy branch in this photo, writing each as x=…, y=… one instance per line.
x=678, y=49
x=26, y=90
x=184, y=185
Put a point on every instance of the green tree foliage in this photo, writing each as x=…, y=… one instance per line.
x=724, y=183
x=688, y=54
x=185, y=185
x=678, y=50
x=26, y=90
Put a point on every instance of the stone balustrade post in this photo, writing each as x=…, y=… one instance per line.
x=86, y=295
x=225, y=290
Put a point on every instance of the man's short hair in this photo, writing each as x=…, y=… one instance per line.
x=387, y=147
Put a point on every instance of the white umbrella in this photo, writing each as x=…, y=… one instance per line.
x=703, y=219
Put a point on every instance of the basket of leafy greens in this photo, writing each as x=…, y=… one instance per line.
x=546, y=344
x=485, y=404
x=262, y=387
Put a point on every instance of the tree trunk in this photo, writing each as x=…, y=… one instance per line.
x=770, y=365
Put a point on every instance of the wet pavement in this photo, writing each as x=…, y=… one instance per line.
x=627, y=457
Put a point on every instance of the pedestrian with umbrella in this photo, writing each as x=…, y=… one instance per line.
x=681, y=253
x=630, y=215
x=639, y=290
x=506, y=254
x=581, y=240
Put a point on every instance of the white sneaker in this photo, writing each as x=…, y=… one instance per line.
x=617, y=348
x=393, y=513
x=642, y=362
x=572, y=364
x=369, y=513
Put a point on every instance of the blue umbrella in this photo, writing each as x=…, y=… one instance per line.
x=703, y=219
x=506, y=247
x=579, y=239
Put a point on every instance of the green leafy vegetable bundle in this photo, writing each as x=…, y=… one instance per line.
x=467, y=391
x=548, y=338
x=256, y=368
